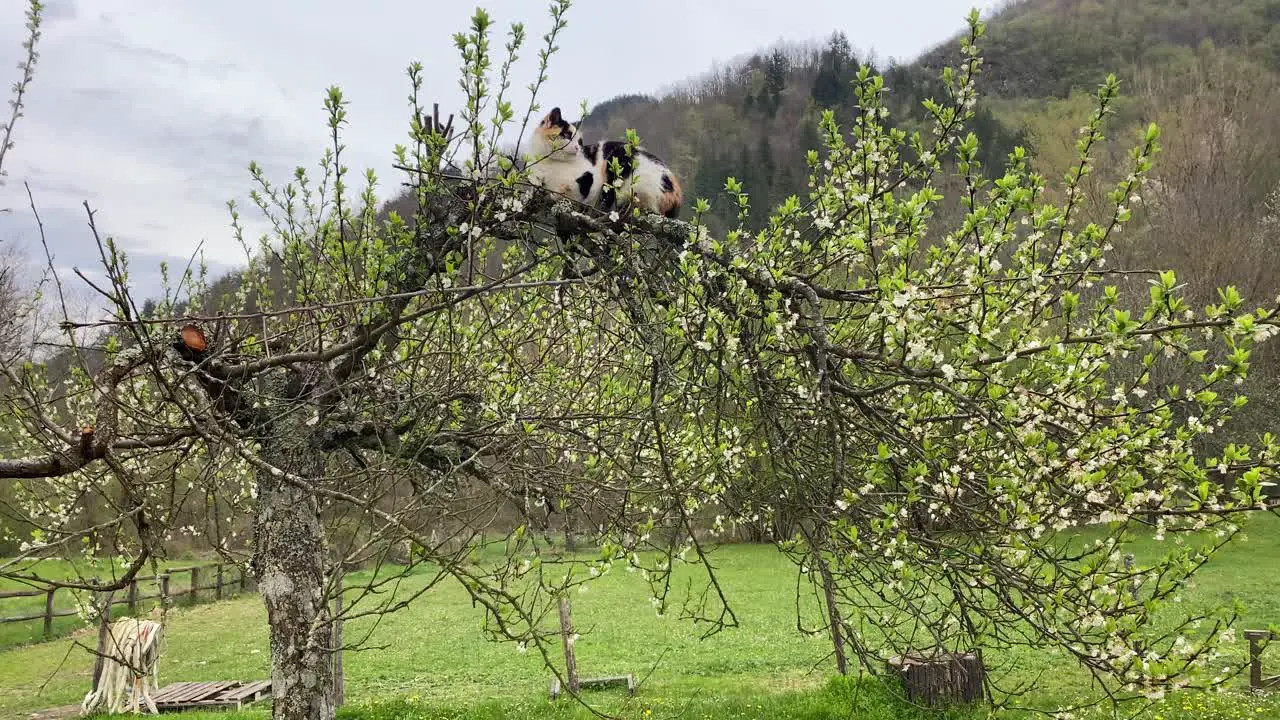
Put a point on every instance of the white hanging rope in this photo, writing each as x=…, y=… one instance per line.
x=130, y=670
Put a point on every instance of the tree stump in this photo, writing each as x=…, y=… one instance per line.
x=940, y=678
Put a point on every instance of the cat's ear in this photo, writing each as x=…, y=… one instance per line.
x=554, y=116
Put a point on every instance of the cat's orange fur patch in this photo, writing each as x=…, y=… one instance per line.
x=669, y=201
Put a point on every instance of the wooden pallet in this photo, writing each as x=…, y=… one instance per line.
x=231, y=694
x=628, y=680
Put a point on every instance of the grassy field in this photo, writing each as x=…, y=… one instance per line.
x=434, y=662
x=14, y=634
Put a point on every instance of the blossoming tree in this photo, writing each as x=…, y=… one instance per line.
x=934, y=411
x=927, y=410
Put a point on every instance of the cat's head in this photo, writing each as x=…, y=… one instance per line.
x=556, y=136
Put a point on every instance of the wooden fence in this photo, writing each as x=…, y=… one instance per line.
x=223, y=583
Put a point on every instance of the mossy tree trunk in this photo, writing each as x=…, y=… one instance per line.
x=290, y=557
x=290, y=560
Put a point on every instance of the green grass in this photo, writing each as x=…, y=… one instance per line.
x=434, y=663
x=838, y=698
x=31, y=631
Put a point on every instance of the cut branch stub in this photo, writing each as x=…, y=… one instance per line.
x=192, y=343
x=193, y=338
x=433, y=124
x=86, y=443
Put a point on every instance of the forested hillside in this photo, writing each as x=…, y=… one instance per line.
x=754, y=119
x=1047, y=48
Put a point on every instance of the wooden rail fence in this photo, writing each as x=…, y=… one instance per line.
x=223, y=583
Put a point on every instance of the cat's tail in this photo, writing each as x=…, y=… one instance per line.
x=672, y=197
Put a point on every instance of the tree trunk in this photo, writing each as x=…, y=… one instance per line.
x=289, y=562
x=833, y=614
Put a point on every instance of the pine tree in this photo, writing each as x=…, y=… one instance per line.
x=766, y=169
x=767, y=165
x=775, y=81
x=708, y=180
x=831, y=86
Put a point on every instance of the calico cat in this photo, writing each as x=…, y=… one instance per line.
x=559, y=160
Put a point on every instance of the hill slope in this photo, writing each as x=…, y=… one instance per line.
x=1047, y=48
x=754, y=119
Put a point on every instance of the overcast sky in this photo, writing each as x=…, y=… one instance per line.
x=152, y=111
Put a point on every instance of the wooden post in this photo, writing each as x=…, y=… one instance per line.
x=570, y=539
x=566, y=629
x=1255, y=659
x=1133, y=581
x=244, y=579
x=164, y=592
x=104, y=634
x=339, y=691
x=133, y=598
x=195, y=585
x=1134, y=593
x=1258, y=640
x=48, y=613
x=217, y=586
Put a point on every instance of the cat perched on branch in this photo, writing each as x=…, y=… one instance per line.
x=607, y=175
